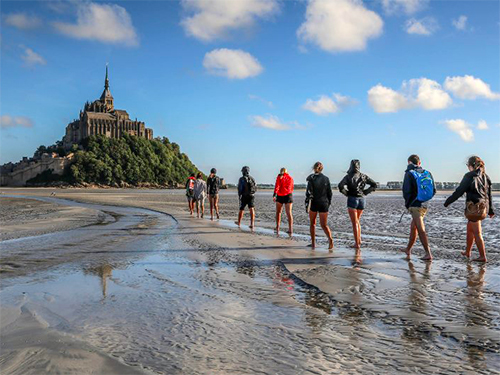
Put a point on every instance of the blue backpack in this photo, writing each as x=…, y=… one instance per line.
x=425, y=185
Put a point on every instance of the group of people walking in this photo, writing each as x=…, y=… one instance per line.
x=418, y=189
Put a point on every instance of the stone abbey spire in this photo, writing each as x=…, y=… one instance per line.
x=106, y=97
x=101, y=118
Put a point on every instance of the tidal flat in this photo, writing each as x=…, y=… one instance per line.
x=144, y=288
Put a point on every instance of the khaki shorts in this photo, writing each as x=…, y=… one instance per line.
x=417, y=212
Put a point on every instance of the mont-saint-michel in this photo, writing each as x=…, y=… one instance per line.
x=74, y=159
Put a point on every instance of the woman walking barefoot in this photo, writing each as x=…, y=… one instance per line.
x=477, y=186
x=318, y=200
x=200, y=193
x=353, y=187
x=283, y=189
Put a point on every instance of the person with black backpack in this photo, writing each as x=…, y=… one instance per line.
x=246, y=193
x=213, y=186
x=478, y=204
x=418, y=189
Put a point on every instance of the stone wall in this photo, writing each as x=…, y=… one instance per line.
x=24, y=171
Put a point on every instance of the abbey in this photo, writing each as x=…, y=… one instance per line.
x=101, y=117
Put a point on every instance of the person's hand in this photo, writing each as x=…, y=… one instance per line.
x=444, y=204
x=274, y=199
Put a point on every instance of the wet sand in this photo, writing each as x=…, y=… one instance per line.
x=183, y=295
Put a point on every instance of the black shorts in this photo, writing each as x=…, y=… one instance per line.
x=284, y=199
x=247, y=200
x=319, y=206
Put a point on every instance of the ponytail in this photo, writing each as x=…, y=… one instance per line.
x=476, y=163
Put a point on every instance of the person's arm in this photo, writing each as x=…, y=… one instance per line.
x=407, y=188
x=491, y=213
x=291, y=181
x=308, y=192
x=276, y=187
x=372, y=188
x=240, y=186
x=329, y=191
x=342, y=186
x=433, y=184
x=460, y=190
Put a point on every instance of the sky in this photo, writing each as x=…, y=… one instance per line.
x=265, y=83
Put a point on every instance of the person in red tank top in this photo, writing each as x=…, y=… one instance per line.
x=283, y=190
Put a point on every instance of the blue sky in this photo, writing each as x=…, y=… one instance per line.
x=265, y=83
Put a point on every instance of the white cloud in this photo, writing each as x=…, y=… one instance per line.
x=386, y=100
x=425, y=26
x=233, y=64
x=22, y=21
x=339, y=25
x=460, y=23
x=326, y=105
x=469, y=87
x=7, y=121
x=262, y=100
x=31, y=58
x=415, y=93
x=213, y=19
x=405, y=6
x=269, y=122
x=462, y=128
x=482, y=125
x=106, y=23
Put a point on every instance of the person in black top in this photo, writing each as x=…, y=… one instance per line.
x=246, y=193
x=353, y=187
x=318, y=199
x=213, y=186
x=478, y=204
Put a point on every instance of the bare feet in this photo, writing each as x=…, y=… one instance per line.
x=330, y=244
x=238, y=224
x=408, y=254
x=480, y=259
x=465, y=254
x=312, y=246
x=290, y=233
x=355, y=246
x=217, y=216
x=427, y=258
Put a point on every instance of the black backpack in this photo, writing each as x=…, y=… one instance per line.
x=250, y=186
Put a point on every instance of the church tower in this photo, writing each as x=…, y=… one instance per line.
x=106, y=97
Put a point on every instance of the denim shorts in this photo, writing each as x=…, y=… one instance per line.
x=356, y=203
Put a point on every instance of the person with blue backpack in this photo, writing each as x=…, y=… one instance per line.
x=246, y=193
x=418, y=189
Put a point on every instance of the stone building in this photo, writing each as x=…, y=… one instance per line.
x=101, y=117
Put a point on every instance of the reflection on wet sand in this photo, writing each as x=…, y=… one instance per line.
x=476, y=312
x=104, y=272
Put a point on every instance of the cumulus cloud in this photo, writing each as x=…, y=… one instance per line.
x=469, y=87
x=22, y=21
x=425, y=26
x=233, y=64
x=213, y=19
x=326, y=105
x=482, y=125
x=462, y=128
x=416, y=93
x=405, y=6
x=460, y=23
x=106, y=23
x=340, y=25
x=269, y=122
x=7, y=121
x=31, y=58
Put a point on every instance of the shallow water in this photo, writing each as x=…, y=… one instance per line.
x=140, y=293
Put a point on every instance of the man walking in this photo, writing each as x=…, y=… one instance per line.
x=246, y=192
x=418, y=188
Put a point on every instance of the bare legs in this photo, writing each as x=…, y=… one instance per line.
x=323, y=220
x=356, y=226
x=288, y=210
x=214, y=205
x=200, y=207
x=252, y=217
x=418, y=227
x=191, y=206
x=475, y=235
